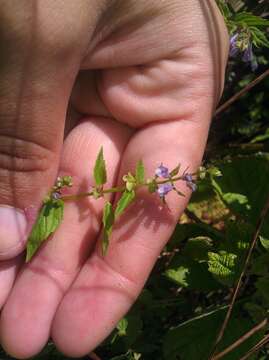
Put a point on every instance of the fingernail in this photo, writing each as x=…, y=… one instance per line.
x=13, y=228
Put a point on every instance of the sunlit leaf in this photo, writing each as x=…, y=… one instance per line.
x=100, y=169
x=125, y=200
x=222, y=266
x=108, y=221
x=49, y=218
x=140, y=172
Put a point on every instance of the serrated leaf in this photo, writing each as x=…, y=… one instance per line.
x=140, y=172
x=99, y=171
x=222, y=266
x=49, y=218
x=108, y=221
x=126, y=198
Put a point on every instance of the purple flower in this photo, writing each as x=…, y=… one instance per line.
x=56, y=195
x=192, y=186
x=233, y=45
x=248, y=54
x=164, y=189
x=187, y=178
x=249, y=57
x=162, y=171
x=189, y=181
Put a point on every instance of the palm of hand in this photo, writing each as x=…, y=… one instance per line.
x=153, y=105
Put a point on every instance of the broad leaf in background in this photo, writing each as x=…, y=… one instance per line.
x=248, y=178
x=193, y=339
x=49, y=218
x=126, y=198
x=191, y=274
x=108, y=221
x=99, y=171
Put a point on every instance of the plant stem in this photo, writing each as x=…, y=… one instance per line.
x=256, y=347
x=243, y=338
x=243, y=272
x=240, y=93
x=118, y=189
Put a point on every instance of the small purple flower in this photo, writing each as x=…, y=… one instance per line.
x=164, y=189
x=233, y=45
x=192, y=186
x=248, y=54
x=187, y=178
x=162, y=171
x=56, y=195
x=249, y=57
x=189, y=181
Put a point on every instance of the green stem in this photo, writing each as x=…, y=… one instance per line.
x=117, y=189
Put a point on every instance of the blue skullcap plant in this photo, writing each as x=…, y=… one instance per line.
x=52, y=211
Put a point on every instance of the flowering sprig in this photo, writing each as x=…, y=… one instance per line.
x=51, y=214
x=241, y=44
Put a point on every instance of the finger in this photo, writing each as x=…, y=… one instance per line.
x=34, y=91
x=8, y=272
x=43, y=282
x=107, y=286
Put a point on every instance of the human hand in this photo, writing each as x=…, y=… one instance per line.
x=148, y=75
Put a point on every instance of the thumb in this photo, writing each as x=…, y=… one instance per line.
x=34, y=93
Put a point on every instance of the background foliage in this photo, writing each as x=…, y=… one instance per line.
x=180, y=311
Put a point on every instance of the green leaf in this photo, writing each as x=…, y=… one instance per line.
x=186, y=272
x=193, y=339
x=122, y=327
x=197, y=248
x=49, y=218
x=125, y=200
x=140, y=172
x=264, y=242
x=251, y=187
x=246, y=18
x=222, y=266
x=179, y=275
x=108, y=221
x=236, y=4
x=100, y=169
x=262, y=285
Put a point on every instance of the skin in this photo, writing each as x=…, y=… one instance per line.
x=147, y=77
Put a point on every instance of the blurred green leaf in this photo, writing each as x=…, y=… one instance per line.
x=122, y=326
x=248, y=177
x=264, y=242
x=49, y=218
x=193, y=339
x=178, y=275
